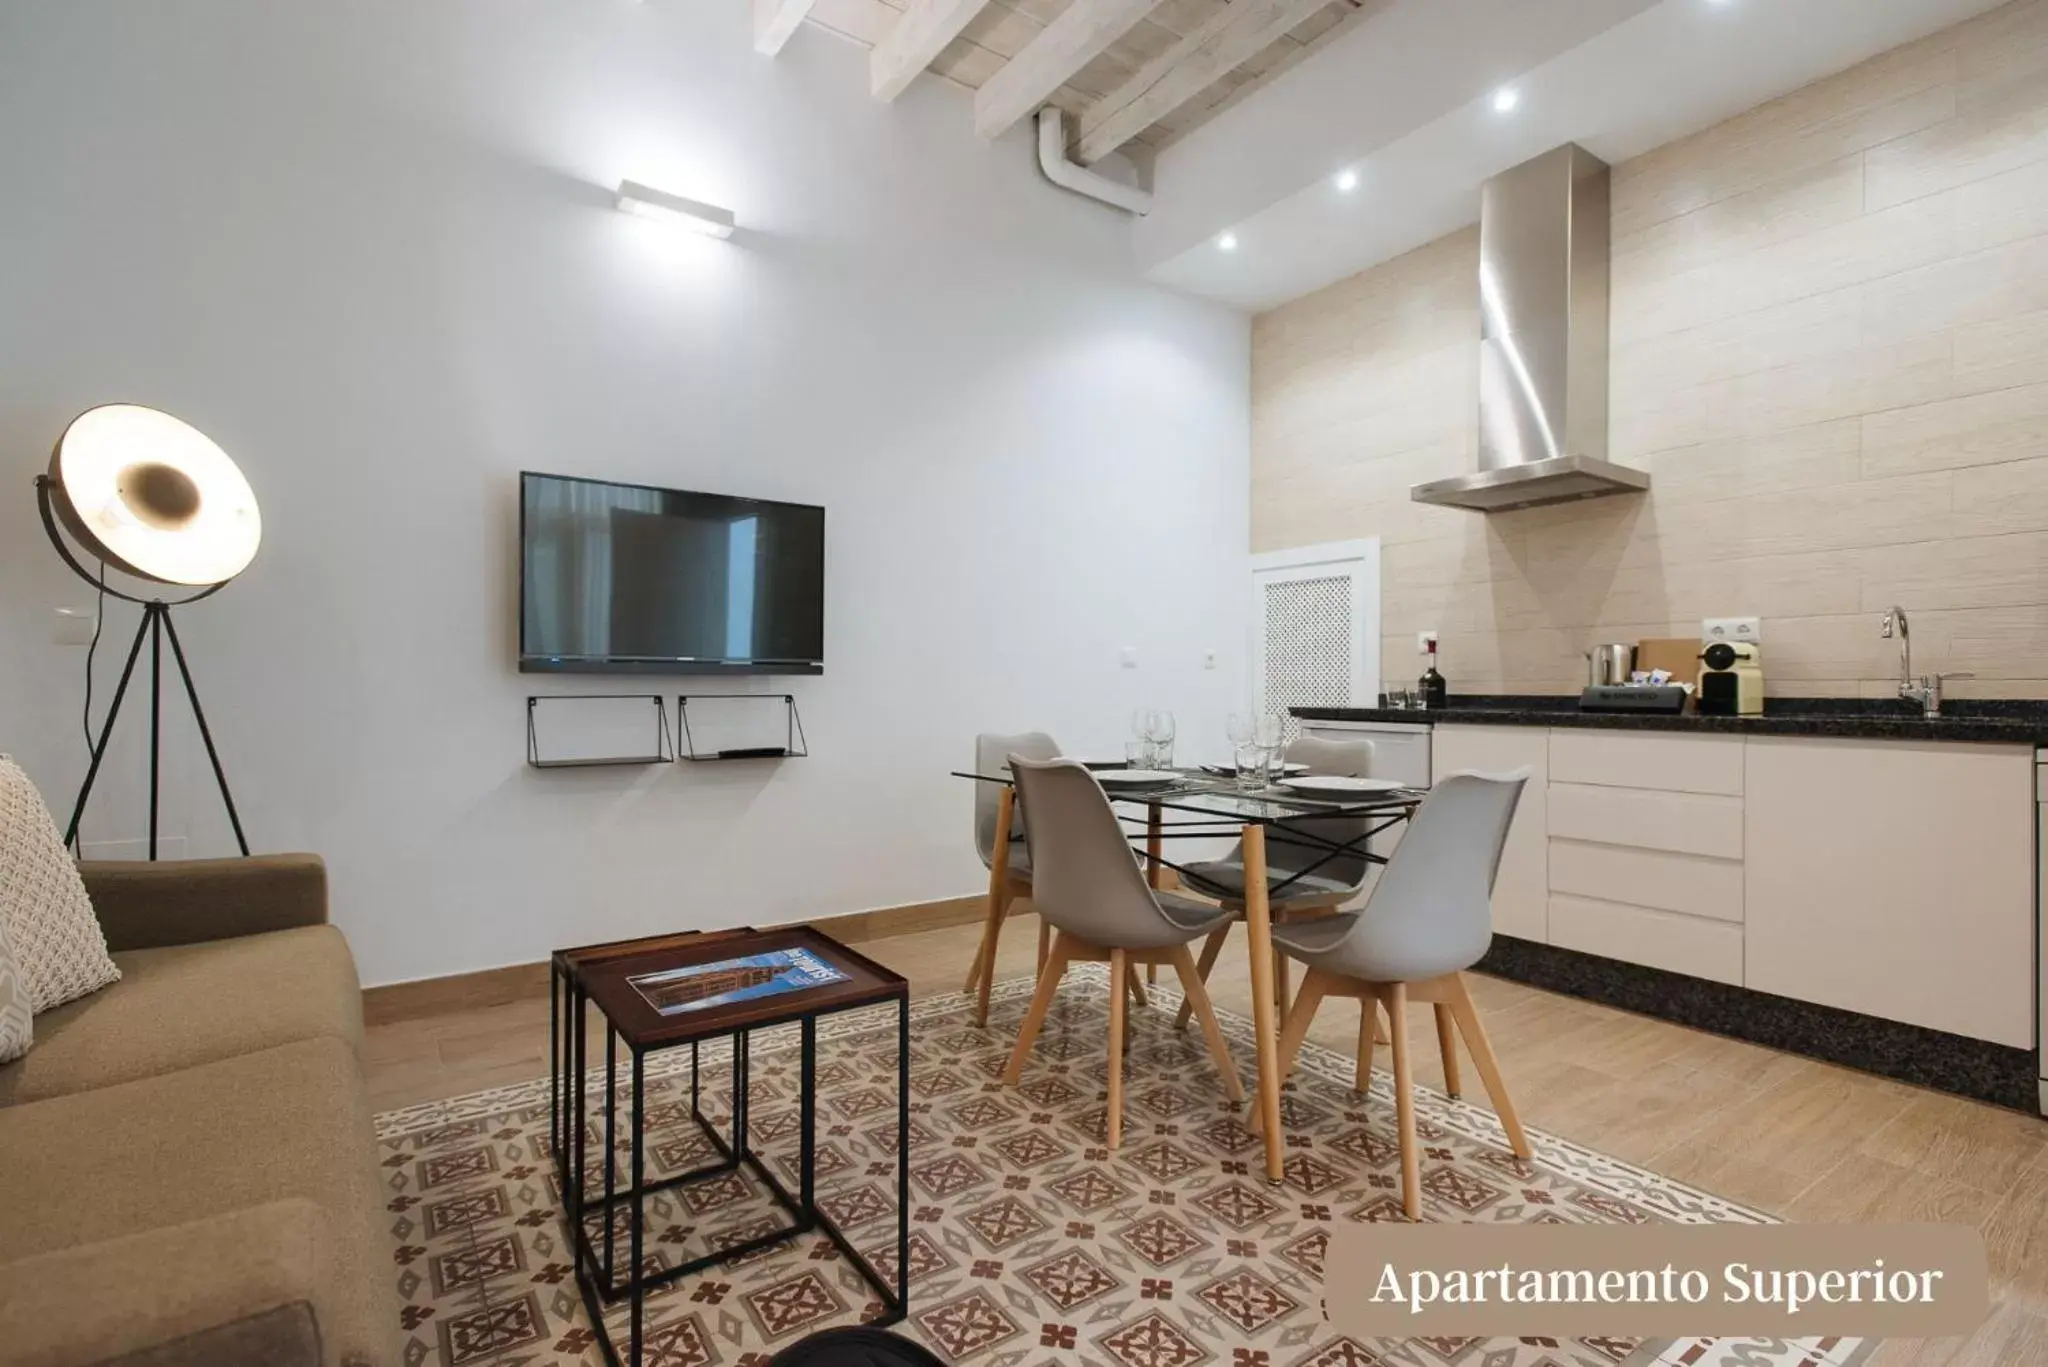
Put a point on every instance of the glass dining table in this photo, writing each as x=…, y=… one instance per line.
x=1204, y=805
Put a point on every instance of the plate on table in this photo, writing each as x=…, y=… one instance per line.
x=1230, y=770
x=1336, y=785
x=1136, y=778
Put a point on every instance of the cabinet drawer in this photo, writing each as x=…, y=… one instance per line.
x=1692, y=945
x=1688, y=883
x=1624, y=759
x=1684, y=823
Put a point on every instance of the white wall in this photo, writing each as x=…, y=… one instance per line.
x=369, y=248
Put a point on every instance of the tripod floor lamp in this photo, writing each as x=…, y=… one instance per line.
x=154, y=498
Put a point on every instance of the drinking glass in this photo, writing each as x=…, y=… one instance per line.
x=1237, y=728
x=1397, y=697
x=1270, y=730
x=1251, y=766
x=1137, y=754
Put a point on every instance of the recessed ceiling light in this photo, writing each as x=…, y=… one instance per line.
x=1347, y=179
x=1505, y=99
x=1227, y=242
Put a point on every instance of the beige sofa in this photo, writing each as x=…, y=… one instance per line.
x=187, y=1171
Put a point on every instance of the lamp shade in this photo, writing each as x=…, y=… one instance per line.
x=154, y=496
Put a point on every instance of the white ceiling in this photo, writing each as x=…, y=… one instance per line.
x=1405, y=100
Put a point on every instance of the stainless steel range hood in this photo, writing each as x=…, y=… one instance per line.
x=1543, y=341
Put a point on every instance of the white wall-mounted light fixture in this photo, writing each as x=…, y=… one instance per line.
x=648, y=202
x=1505, y=99
x=1227, y=242
x=1345, y=180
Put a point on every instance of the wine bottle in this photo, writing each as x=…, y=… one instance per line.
x=1430, y=689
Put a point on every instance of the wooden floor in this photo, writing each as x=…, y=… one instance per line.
x=1804, y=1140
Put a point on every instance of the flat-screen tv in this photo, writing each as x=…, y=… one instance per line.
x=624, y=578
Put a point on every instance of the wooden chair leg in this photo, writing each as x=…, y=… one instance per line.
x=1396, y=997
x=1283, y=969
x=1447, y=1045
x=1212, y=1032
x=1041, y=1002
x=1368, y=1035
x=1211, y=947
x=1315, y=985
x=1044, y=940
x=992, y=926
x=1379, y=1026
x=1136, y=985
x=1483, y=1059
x=1119, y=970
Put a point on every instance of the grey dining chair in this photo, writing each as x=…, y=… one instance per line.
x=1429, y=918
x=991, y=755
x=1330, y=885
x=1087, y=884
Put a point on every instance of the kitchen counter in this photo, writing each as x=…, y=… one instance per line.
x=1992, y=721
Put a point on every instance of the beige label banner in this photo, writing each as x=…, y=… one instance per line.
x=1724, y=1280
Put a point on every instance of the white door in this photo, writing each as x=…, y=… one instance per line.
x=1316, y=626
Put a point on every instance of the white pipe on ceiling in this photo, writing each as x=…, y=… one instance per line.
x=1052, y=159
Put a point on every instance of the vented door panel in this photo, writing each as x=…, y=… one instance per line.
x=1308, y=643
x=1315, y=621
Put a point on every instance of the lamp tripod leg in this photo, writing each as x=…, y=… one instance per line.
x=154, y=615
x=99, y=749
x=205, y=733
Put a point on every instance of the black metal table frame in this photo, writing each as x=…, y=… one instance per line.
x=1283, y=832
x=597, y=1276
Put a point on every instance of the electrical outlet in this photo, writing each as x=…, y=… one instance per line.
x=1208, y=659
x=1423, y=641
x=74, y=627
x=1750, y=629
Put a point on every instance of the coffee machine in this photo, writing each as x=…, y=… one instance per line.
x=1731, y=680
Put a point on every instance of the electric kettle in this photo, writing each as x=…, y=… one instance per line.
x=1610, y=664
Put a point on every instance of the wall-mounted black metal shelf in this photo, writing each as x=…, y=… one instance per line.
x=664, y=747
x=792, y=744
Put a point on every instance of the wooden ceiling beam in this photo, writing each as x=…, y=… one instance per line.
x=915, y=39
x=1218, y=46
x=774, y=21
x=1080, y=34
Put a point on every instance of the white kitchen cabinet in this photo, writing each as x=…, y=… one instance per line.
x=1698, y=946
x=1893, y=878
x=1647, y=759
x=1643, y=818
x=1659, y=879
x=1521, y=891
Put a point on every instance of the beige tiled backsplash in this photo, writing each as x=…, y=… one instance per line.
x=1830, y=348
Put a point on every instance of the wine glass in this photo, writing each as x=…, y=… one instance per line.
x=1269, y=730
x=1237, y=728
x=1161, y=735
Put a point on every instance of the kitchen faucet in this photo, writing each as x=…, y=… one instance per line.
x=1925, y=690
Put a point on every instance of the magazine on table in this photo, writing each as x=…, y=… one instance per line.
x=678, y=991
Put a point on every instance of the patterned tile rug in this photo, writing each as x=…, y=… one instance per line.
x=1030, y=1242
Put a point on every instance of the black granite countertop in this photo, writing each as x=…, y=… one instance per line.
x=1991, y=721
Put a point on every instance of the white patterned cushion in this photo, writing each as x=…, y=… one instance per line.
x=15, y=1016
x=58, y=947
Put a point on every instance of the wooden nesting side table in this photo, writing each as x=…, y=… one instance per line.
x=699, y=992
